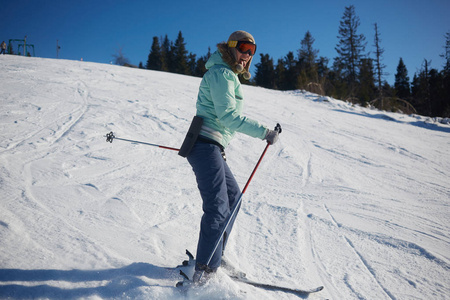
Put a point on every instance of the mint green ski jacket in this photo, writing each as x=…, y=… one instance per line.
x=220, y=103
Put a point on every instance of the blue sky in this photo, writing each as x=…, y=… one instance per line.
x=95, y=30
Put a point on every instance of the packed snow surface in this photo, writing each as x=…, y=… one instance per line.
x=351, y=198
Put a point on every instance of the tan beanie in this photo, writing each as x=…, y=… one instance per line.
x=241, y=35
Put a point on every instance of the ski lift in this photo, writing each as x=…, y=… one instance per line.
x=21, y=44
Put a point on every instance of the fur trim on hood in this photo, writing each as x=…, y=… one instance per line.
x=229, y=57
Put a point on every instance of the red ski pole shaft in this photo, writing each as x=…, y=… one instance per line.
x=235, y=208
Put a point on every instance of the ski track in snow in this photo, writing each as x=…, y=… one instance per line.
x=350, y=198
x=361, y=257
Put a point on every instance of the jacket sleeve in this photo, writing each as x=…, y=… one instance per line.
x=227, y=105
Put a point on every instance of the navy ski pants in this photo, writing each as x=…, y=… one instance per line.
x=220, y=193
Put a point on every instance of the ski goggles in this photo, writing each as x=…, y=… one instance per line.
x=243, y=47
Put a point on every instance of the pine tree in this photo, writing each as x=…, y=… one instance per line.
x=366, y=81
x=264, y=75
x=446, y=77
x=154, y=61
x=166, y=55
x=429, y=92
x=280, y=75
x=437, y=93
x=180, y=56
x=421, y=90
x=338, y=88
x=401, y=84
x=322, y=67
x=307, y=57
x=322, y=73
x=200, y=67
x=350, y=48
x=192, y=63
x=291, y=81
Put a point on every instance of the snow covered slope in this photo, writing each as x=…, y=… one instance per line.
x=350, y=198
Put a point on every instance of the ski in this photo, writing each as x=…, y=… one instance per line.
x=272, y=287
x=239, y=276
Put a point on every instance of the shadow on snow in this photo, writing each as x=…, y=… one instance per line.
x=119, y=281
x=421, y=124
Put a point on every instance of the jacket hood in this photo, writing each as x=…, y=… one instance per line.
x=215, y=59
x=225, y=56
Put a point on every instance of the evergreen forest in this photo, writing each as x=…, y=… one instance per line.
x=353, y=75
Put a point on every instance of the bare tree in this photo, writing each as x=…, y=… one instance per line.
x=446, y=54
x=120, y=59
x=378, y=65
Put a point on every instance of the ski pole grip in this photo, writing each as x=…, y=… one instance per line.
x=278, y=128
x=110, y=137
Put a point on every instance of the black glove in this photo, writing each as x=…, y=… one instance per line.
x=272, y=136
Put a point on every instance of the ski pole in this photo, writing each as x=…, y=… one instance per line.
x=110, y=137
x=235, y=208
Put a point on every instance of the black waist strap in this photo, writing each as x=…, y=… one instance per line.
x=210, y=141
